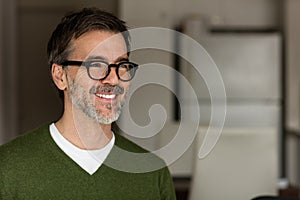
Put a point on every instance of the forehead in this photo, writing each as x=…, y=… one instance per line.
x=108, y=45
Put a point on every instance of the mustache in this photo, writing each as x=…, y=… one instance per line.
x=107, y=88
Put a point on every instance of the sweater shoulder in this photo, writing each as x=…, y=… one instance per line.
x=25, y=143
x=128, y=145
x=130, y=157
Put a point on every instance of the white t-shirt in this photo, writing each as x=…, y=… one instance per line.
x=89, y=160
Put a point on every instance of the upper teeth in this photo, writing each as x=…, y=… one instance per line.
x=106, y=96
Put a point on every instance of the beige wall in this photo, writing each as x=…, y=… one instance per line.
x=8, y=61
x=292, y=27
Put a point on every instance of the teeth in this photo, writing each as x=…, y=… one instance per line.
x=106, y=96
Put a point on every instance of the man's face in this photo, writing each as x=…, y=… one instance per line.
x=100, y=100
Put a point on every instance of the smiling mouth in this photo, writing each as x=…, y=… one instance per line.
x=107, y=96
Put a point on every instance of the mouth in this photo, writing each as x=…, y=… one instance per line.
x=106, y=96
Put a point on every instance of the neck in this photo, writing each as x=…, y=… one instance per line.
x=82, y=131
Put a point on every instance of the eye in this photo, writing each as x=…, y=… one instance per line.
x=127, y=66
x=97, y=64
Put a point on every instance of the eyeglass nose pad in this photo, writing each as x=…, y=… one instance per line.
x=112, y=75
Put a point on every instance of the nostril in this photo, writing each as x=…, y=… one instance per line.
x=112, y=78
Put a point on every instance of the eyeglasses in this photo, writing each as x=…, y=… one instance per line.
x=99, y=70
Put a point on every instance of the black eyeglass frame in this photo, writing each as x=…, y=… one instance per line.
x=87, y=65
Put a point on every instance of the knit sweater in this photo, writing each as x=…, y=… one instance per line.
x=34, y=167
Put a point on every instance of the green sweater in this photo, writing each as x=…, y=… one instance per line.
x=34, y=167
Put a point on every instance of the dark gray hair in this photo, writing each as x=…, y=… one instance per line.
x=75, y=24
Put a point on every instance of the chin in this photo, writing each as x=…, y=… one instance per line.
x=107, y=119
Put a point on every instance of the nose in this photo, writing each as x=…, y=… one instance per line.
x=112, y=77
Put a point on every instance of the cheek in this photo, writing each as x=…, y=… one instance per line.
x=126, y=87
x=81, y=78
x=81, y=74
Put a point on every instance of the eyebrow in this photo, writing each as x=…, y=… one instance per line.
x=120, y=59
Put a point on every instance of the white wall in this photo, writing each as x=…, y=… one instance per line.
x=243, y=13
x=167, y=13
x=243, y=165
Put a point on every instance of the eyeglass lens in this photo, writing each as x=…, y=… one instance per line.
x=99, y=70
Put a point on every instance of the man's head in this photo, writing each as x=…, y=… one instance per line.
x=75, y=24
x=88, y=54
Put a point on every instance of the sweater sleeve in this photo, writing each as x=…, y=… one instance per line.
x=4, y=194
x=167, y=191
x=1, y=185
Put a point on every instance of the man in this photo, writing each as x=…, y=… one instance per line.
x=78, y=156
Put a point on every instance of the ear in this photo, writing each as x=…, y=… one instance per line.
x=59, y=76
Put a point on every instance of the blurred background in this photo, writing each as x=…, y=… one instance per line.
x=255, y=44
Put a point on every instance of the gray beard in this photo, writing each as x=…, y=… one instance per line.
x=79, y=99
